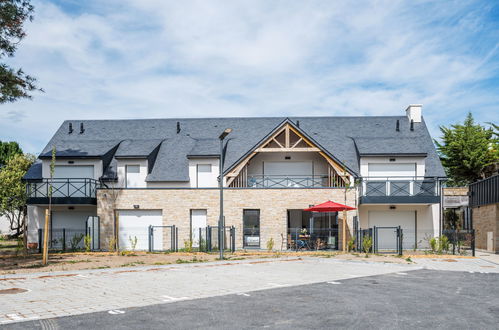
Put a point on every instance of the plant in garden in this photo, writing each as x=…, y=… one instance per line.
x=270, y=244
x=367, y=243
x=87, y=240
x=351, y=244
x=133, y=242
x=188, y=245
x=75, y=241
x=111, y=245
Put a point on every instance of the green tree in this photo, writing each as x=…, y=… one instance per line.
x=13, y=191
x=7, y=150
x=466, y=150
x=14, y=83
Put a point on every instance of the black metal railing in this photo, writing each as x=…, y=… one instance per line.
x=402, y=186
x=313, y=239
x=80, y=188
x=485, y=191
x=287, y=181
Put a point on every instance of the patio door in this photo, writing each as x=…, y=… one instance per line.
x=251, y=228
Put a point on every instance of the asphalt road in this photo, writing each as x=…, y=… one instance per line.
x=416, y=299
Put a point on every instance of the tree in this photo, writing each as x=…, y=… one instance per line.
x=13, y=191
x=466, y=150
x=7, y=150
x=14, y=83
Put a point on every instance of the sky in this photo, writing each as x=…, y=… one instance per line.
x=118, y=59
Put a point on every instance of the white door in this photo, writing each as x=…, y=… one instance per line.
x=198, y=220
x=135, y=224
x=387, y=237
x=132, y=176
x=204, y=175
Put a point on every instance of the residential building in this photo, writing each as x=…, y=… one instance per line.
x=133, y=174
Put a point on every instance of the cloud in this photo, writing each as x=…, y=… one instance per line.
x=146, y=59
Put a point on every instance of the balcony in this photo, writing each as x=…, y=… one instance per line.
x=64, y=191
x=287, y=181
x=419, y=190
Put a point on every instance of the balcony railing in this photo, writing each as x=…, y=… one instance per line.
x=287, y=181
x=403, y=186
x=83, y=189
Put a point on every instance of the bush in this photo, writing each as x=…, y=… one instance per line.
x=88, y=243
x=75, y=241
x=112, y=245
x=270, y=244
x=133, y=242
x=367, y=243
x=351, y=244
x=188, y=245
x=439, y=244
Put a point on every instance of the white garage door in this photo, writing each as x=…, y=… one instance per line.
x=392, y=170
x=135, y=223
x=386, y=236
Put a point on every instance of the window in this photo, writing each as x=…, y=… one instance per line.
x=132, y=176
x=204, y=176
x=392, y=170
x=251, y=228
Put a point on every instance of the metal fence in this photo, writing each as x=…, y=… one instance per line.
x=313, y=239
x=460, y=242
x=208, y=239
x=63, y=239
x=163, y=238
x=484, y=191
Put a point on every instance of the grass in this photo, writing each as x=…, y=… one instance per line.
x=193, y=260
x=101, y=267
x=77, y=261
x=133, y=264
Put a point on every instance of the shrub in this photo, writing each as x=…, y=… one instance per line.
x=188, y=245
x=351, y=244
x=367, y=243
x=112, y=245
x=270, y=244
x=133, y=242
x=87, y=240
x=75, y=241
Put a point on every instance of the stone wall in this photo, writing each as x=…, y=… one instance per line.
x=486, y=219
x=455, y=191
x=177, y=203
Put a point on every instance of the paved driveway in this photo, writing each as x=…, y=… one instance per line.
x=43, y=296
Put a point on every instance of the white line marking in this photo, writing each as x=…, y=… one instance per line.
x=79, y=275
x=401, y=273
x=168, y=298
x=471, y=272
x=116, y=312
x=275, y=284
x=243, y=294
x=15, y=317
x=333, y=282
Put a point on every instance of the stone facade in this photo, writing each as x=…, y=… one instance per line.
x=485, y=220
x=177, y=203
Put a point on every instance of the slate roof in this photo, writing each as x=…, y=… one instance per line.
x=344, y=138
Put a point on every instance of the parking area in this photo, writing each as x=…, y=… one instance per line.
x=52, y=295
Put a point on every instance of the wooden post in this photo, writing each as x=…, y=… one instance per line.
x=46, y=238
x=344, y=240
x=117, y=217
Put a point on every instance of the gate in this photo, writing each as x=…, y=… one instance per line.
x=388, y=240
x=93, y=229
x=209, y=238
x=163, y=238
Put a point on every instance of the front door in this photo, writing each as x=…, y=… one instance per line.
x=198, y=221
x=251, y=228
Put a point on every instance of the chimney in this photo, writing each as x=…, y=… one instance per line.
x=82, y=129
x=397, y=127
x=178, y=127
x=70, y=128
x=413, y=112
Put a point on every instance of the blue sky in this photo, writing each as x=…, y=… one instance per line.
x=155, y=59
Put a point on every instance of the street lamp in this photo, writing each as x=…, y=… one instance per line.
x=221, y=222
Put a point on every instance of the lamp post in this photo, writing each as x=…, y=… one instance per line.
x=221, y=222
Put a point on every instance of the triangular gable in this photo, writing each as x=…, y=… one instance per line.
x=286, y=137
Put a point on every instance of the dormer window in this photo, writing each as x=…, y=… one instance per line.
x=132, y=176
x=204, y=175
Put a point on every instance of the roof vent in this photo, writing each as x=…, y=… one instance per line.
x=397, y=128
x=82, y=129
x=178, y=127
x=70, y=128
x=412, y=125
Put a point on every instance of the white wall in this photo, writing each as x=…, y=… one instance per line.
x=5, y=226
x=364, y=163
x=96, y=163
x=121, y=166
x=208, y=182
x=36, y=217
x=428, y=221
x=255, y=165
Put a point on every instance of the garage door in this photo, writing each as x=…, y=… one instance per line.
x=386, y=236
x=135, y=224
